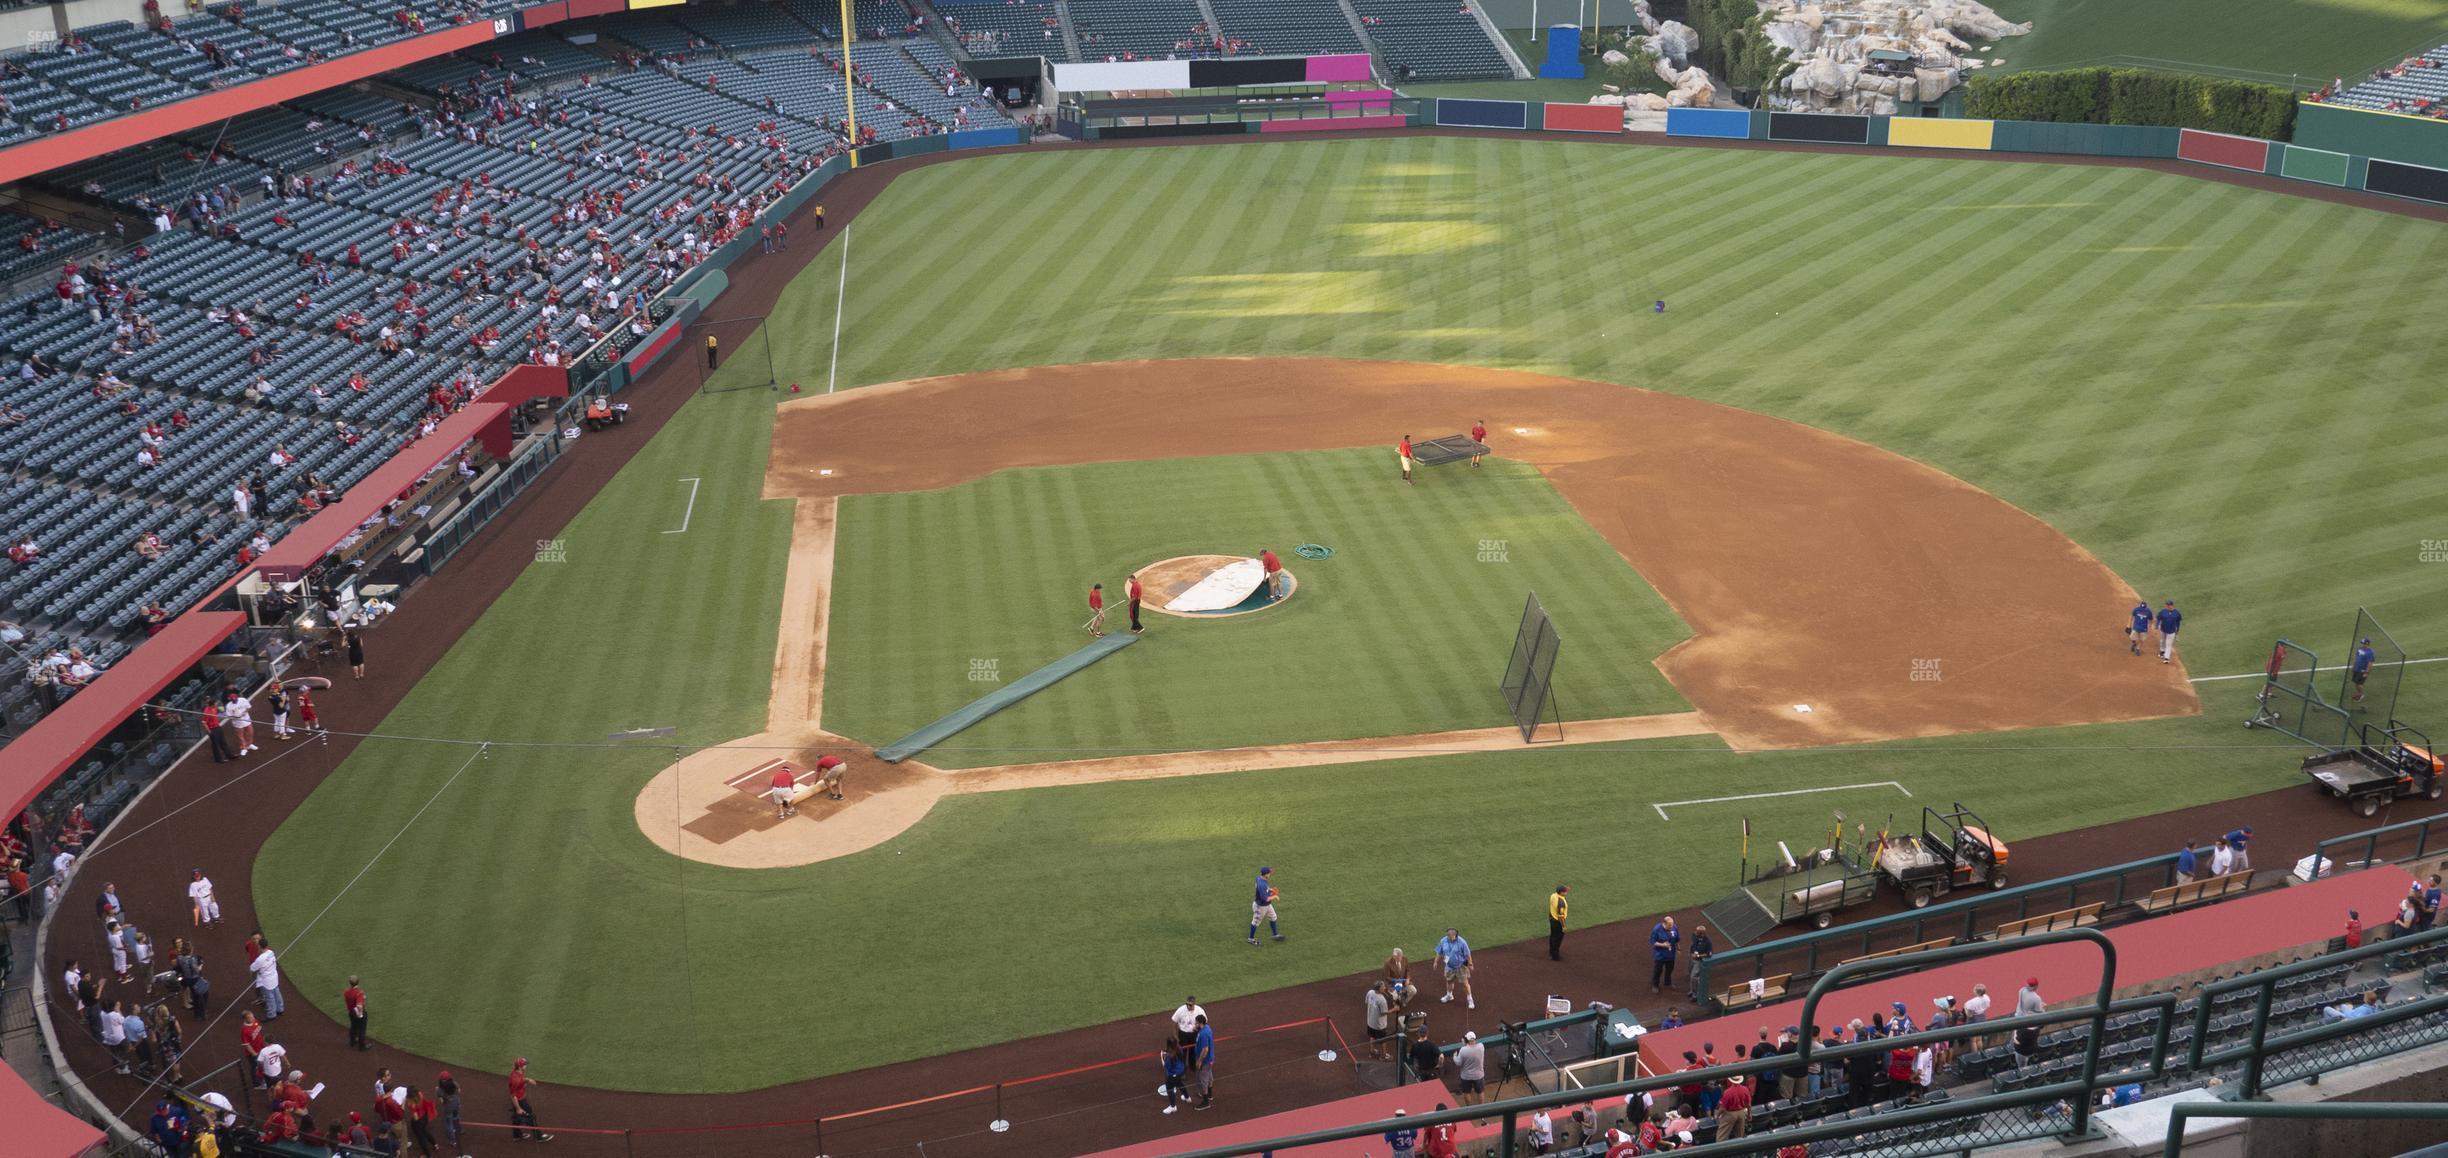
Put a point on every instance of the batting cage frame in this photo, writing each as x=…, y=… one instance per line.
x=1529, y=677
x=744, y=337
x=2290, y=699
x=2376, y=696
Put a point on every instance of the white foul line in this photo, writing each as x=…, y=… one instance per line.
x=2254, y=675
x=692, y=507
x=1661, y=808
x=841, y=295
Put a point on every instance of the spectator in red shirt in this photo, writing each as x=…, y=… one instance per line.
x=2354, y=929
x=1734, y=1108
x=421, y=1112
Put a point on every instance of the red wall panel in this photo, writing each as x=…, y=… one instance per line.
x=2250, y=154
x=1584, y=118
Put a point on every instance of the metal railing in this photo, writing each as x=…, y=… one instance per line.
x=2428, y=835
x=2318, y=1048
x=1965, y=920
x=2183, y=1112
x=2053, y=1108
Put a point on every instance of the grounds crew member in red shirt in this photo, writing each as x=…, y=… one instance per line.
x=1403, y=449
x=353, y=1000
x=1096, y=610
x=1274, y=574
x=1131, y=589
x=784, y=783
x=829, y=774
x=522, y=1113
x=1478, y=435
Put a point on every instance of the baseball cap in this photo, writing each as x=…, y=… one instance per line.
x=1470, y=1035
x=2352, y=915
x=1563, y=888
x=518, y=1063
x=1265, y=869
x=2033, y=982
x=1401, y=1113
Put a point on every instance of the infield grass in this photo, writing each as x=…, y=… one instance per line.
x=2202, y=384
x=1406, y=628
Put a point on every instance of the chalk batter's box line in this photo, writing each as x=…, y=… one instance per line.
x=758, y=781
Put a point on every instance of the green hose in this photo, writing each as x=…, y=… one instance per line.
x=1312, y=551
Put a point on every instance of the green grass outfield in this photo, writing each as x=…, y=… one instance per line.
x=1405, y=629
x=2202, y=384
x=2277, y=41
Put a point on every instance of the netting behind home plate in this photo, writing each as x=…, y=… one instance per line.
x=1075, y=1109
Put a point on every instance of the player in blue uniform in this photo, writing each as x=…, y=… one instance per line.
x=2139, y=630
x=2362, y=666
x=2169, y=620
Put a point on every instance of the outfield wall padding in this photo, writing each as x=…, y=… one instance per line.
x=2087, y=140
x=1335, y=124
x=987, y=138
x=2398, y=179
x=1940, y=133
x=1724, y=124
x=2372, y=133
x=1564, y=118
x=1827, y=128
x=2319, y=165
x=967, y=715
x=1197, y=129
x=2250, y=154
x=1455, y=112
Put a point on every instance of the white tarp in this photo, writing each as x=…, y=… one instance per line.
x=1223, y=587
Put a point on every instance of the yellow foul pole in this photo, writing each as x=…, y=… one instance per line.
x=849, y=83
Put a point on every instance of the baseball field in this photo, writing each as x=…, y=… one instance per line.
x=1907, y=440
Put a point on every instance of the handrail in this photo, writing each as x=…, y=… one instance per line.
x=2077, y=1091
x=2263, y=984
x=1953, y=953
x=2183, y=1112
x=1962, y=919
x=2423, y=829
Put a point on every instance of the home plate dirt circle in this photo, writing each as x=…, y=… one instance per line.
x=1167, y=580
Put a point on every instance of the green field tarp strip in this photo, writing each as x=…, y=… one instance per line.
x=1003, y=697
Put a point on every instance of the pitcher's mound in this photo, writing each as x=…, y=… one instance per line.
x=1210, y=586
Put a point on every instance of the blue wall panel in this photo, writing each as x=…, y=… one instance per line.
x=1456, y=113
x=1729, y=124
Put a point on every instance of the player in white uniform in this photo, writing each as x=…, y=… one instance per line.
x=200, y=891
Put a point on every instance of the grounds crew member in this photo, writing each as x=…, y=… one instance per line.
x=713, y=351
x=1557, y=910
